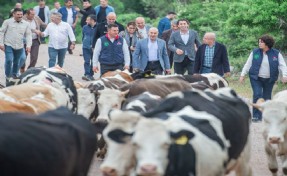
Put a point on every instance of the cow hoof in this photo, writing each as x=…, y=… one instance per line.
x=285, y=170
x=274, y=170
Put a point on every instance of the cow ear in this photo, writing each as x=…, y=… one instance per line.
x=124, y=93
x=120, y=136
x=259, y=104
x=182, y=137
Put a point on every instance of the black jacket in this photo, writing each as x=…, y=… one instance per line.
x=86, y=12
x=220, y=63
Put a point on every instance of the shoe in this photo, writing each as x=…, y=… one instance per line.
x=256, y=120
x=91, y=78
x=70, y=51
x=81, y=54
x=22, y=70
x=86, y=78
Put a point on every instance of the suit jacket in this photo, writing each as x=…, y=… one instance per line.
x=220, y=63
x=175, y=42
x=39, y=23
x=140, y=55
x=166, y=36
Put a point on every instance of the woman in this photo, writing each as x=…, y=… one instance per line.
x=130, y=36
x=263, y=66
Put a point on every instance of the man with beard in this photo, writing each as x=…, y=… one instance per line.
x=88, y=10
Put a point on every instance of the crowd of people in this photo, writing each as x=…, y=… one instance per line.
x=108, y=45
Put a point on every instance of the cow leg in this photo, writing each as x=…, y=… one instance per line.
x=282, y=150
x=271, y=157
x=243, y=168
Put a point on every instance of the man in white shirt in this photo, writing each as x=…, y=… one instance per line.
x=58, y=32
x=143, y=29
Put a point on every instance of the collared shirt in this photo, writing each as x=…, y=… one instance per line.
x=152, y=50
x=58, y=35
x=185, y=37
x=33, y=27
x=264, y=71
x=98, y=48
x=12, y=34
x=208, y=56
x=70, y=19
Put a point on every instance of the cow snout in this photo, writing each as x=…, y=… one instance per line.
x=148, y=169
x=274, y=140
x=108, y=171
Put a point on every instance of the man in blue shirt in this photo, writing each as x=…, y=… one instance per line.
x=164, y=23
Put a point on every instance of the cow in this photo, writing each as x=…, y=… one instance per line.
x=2, y=86
x=274, y=115
x=123, y=75
x=212, y=80
x=200, y=114
x=54, y=76
x=56, y=143
x=31, y=98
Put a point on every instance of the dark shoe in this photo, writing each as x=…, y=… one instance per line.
x=70, y=51
x=256, y=120
x=86, y=78
x=81, y=54
x=91, y=78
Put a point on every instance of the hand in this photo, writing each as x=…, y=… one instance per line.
x=28, y=49
x=284, y=80
x=72, y=46
x=227, y=74
x=38, y=32
x=77, y=9
x=95, y=69
x=241, y=79
x=74, y=26
x=167, y=71
x=132, y=48
x=2, y=48
x=126, y=67
x=179, y=52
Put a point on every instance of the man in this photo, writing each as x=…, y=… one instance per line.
x=102, y=27
x=57, y=6
x=12, y=33
x=111, y=51
x=35, y=24
x=211, y=57
x=88, y=10
x=103, y=10
x=43, y=12
x=164, y=23
x=182, y=44
x=166, y=36
x=17, y=5
x=58, y=32
x=142, y=28
x=70, y=16
x=89, y=31
x=151, y=54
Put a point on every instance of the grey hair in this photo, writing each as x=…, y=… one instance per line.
x=174, y=22
x=57, y=14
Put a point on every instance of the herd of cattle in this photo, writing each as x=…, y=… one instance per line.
x=140, y=123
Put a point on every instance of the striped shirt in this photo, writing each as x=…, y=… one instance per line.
x=208, y=56
x=12, y=34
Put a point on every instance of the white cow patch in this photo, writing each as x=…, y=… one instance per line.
x=136, y=103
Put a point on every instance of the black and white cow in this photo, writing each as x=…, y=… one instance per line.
x=56, y=143
x=55, y=77
x=204, y=133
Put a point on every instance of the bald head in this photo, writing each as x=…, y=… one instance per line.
x=140, y=22
x=18, y=5
x=209, y=38
x=111, y=18
x=153, y=33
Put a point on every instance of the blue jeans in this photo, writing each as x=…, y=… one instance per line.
x=88, y=61
x=262, y=88
x=22, y=59
x=12, y=59
x=53, y=53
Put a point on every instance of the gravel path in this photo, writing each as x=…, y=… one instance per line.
x=74, y=66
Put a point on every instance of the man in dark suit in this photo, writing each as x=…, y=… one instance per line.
x=211, y=57
x=166, y=36
x=182, y=44
x=102, y=28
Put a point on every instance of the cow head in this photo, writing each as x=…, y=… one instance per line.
x=86, y=102
x=152, y=142
x=109, y=99
x=274, y=114
x=120, y=154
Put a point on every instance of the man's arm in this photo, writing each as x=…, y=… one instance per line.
x=3, y=30
x=76, y=20
x=197, y=61
x=28, y=36
x=96, y=55
x=136, y=56
x=165, y=58
x=197, y=41
x=171, y=43
x=126, y=54
x=226, y=66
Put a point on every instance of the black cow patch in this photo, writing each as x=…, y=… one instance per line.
x=119, y=136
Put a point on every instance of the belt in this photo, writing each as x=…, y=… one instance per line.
x=151, y=62
x=206, y=67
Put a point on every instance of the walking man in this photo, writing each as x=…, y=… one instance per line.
x=164, y=23
x=111, y=51
x=151, y=54
x=58, y=32
x=12, y=33
x=182, y=44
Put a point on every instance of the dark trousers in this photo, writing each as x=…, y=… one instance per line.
x=88, y=61
x=33, y=54
x=105, y=68
x=262, y=88
x=154, y=67
x=182, y=67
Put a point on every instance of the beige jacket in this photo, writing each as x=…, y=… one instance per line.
x=39, y=24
